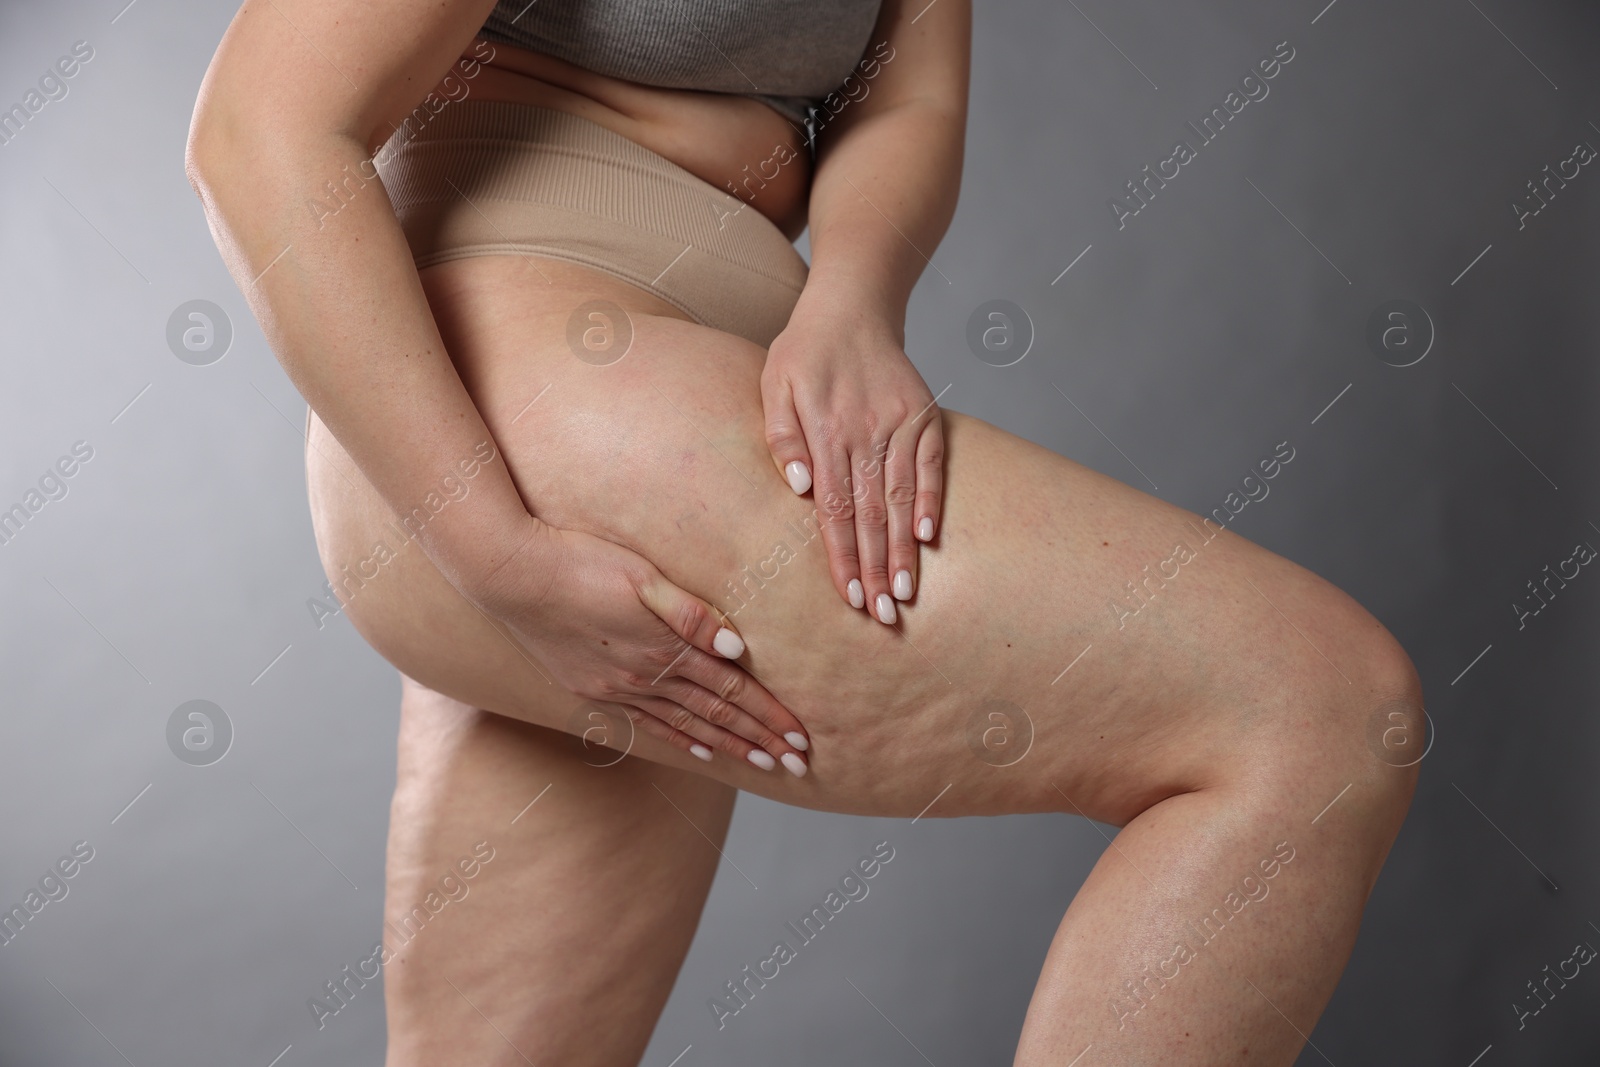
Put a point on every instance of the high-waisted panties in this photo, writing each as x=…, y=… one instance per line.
x=488, y=177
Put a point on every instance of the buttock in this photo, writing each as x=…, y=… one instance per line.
x=486, y=177
x=663, y=452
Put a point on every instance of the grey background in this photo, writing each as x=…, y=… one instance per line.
x=1223, y=319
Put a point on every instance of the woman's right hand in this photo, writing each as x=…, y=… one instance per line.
x=610, y=627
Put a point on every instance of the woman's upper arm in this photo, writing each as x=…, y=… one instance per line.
x=291, y=68
x=922, y=53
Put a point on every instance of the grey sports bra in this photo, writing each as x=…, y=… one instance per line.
x=788, y=54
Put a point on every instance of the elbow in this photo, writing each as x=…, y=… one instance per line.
x=193, y=169
x=217, y=144
x=234, y=149
x=203, y=150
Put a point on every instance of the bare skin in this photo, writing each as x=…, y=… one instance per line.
x=1212, y=725
x=301, y=93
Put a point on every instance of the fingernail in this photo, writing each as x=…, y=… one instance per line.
x=794, y=764
x=902, y=585
x=799, y=476
x=797, y=739
x=728, y=643
x=885, y=609
x=857, y=597
x=762, y=759
x=701, y=752
x=925, y=529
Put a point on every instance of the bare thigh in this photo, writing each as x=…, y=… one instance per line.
x=1212, y=717
x=1239, y=664
x=588, y=875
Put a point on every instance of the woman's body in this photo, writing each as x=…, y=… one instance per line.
x=1210, y=724
x=1214, y=723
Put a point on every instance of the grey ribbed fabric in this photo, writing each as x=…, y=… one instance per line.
x=786, y=53
x=486, y=177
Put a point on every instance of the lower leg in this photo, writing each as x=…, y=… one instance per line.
x=538, y=906
x=1215, y=928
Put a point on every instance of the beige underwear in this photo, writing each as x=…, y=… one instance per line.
x=485, y=177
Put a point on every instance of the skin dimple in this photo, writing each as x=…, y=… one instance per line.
x=1163, y=728
x=1166, y=694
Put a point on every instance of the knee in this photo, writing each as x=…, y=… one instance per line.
x=1374, y=730
x=1385, y=694
x=1390, y=723
x=1355, y=716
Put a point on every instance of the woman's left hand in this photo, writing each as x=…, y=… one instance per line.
x=848, y=415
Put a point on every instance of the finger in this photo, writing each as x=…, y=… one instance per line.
x=678, y=709
x=930, y=477
x=899, y=494
x=838, y=516
x=762, y=718
x=691, y=618
x=705, y=738
x=724, y=716
x=650, y=724
x=872, y=531
x=785, y=438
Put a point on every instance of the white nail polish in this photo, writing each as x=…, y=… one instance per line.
x=794, y=764
x=728, y=643
x=762, y=759
x=701, y=752
x=799, y=476
x=902, y=585
x=925, y=529
x=797, y=739
x=857, y=597
x=885, y=609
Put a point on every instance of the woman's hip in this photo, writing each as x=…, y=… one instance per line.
x=661, y=449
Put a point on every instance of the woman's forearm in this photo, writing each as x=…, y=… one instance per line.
x=884, y=194
x=848, y=417
x=341, y=304
x=889, y=151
